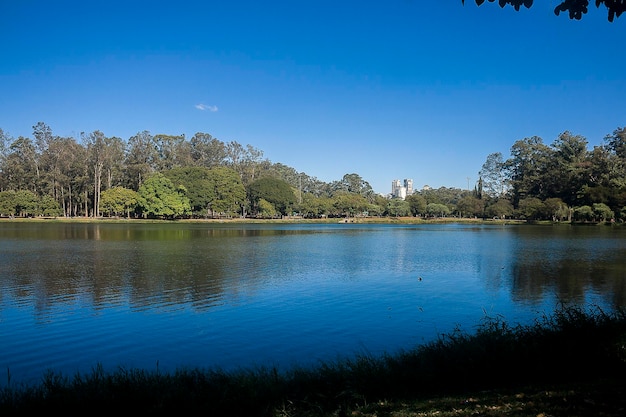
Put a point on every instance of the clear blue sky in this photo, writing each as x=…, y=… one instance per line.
x=421, y=89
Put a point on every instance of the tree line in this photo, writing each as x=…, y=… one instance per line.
x=561, y=181
x=169, y=176
x=160, y=176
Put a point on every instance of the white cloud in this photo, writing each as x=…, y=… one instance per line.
x=205, y=107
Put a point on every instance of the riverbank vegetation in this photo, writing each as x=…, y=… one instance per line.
x=570, y=362
x=173, y=177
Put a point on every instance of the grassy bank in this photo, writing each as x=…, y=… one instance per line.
x=571, y=362
x=236, y=220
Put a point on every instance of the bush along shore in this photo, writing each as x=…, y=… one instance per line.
x=571, y=362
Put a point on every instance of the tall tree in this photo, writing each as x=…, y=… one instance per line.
x=114, y=161
x=228, y=191
x=207, y=151
x=568, y=167
x=615, y=144
x=398, y=207
x=158, y=197
x=354, y=183
x=251, y=160
x=95, y=143
x=119, y=200
x=142, y=158
x=43, y=136
x=56, y=161
x=417, y=204
x=277, y=192
x=349, y=204
x=493, y=175
x=21, y=170
x=527, y=168
x=172, y=151
x=5, y=143
x=75, y=173
x=199, y=186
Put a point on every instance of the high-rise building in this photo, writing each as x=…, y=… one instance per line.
x=401, y=189
x=408, y=184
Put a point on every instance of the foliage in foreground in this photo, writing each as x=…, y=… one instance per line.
x=573, y=346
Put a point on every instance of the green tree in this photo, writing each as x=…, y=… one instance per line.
x=5, y=142
x=556, y=209
x=104, y=153
x=173, y=151
x=276, y=191
x=583, y=213
x=493, y=176
x=568, y=167
x=119, y=200
x=159, y=198
x=417, y=204
x=48, y=206
x=227, y=193
x=244, y=160
x=602, y=212
x=25, y=203
x=531, y=208
x=142, y=159
x=470, y=206
x=199, y=182
x=398, y=207
x=315, y=207
x=613, y=171
x=527, y=168
x=207, y=151
x=349, y=204
x=266, y=209
x=21, y=169
x=375, y=209
x=616, y=142
x=353, y=183
x=500, y=209
x=7, y=203
x=437, y=210
x=380, y=202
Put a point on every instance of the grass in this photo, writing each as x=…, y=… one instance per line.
x=571, y=362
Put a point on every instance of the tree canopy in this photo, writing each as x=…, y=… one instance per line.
x=575, y=8
x=168, y=177
x=158, y=197
x=275, y=191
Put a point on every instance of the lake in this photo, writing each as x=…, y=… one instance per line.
x=207, y=295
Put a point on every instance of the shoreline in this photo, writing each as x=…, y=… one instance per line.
x=238, y=220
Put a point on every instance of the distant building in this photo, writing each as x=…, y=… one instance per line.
x=401, y=189
x=408, y=184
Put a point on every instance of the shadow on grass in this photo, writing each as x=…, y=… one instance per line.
x=573, y=346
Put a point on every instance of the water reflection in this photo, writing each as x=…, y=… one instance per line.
x=575, y=263
x=211, y=293
x=169, y=265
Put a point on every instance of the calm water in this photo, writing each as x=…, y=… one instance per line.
x=169, y=296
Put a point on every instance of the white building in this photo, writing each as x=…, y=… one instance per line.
x=408, y=184
x=401, y=189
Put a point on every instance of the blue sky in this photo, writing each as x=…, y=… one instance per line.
x=421, y=89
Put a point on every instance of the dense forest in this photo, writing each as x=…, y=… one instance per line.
x=169, y=177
